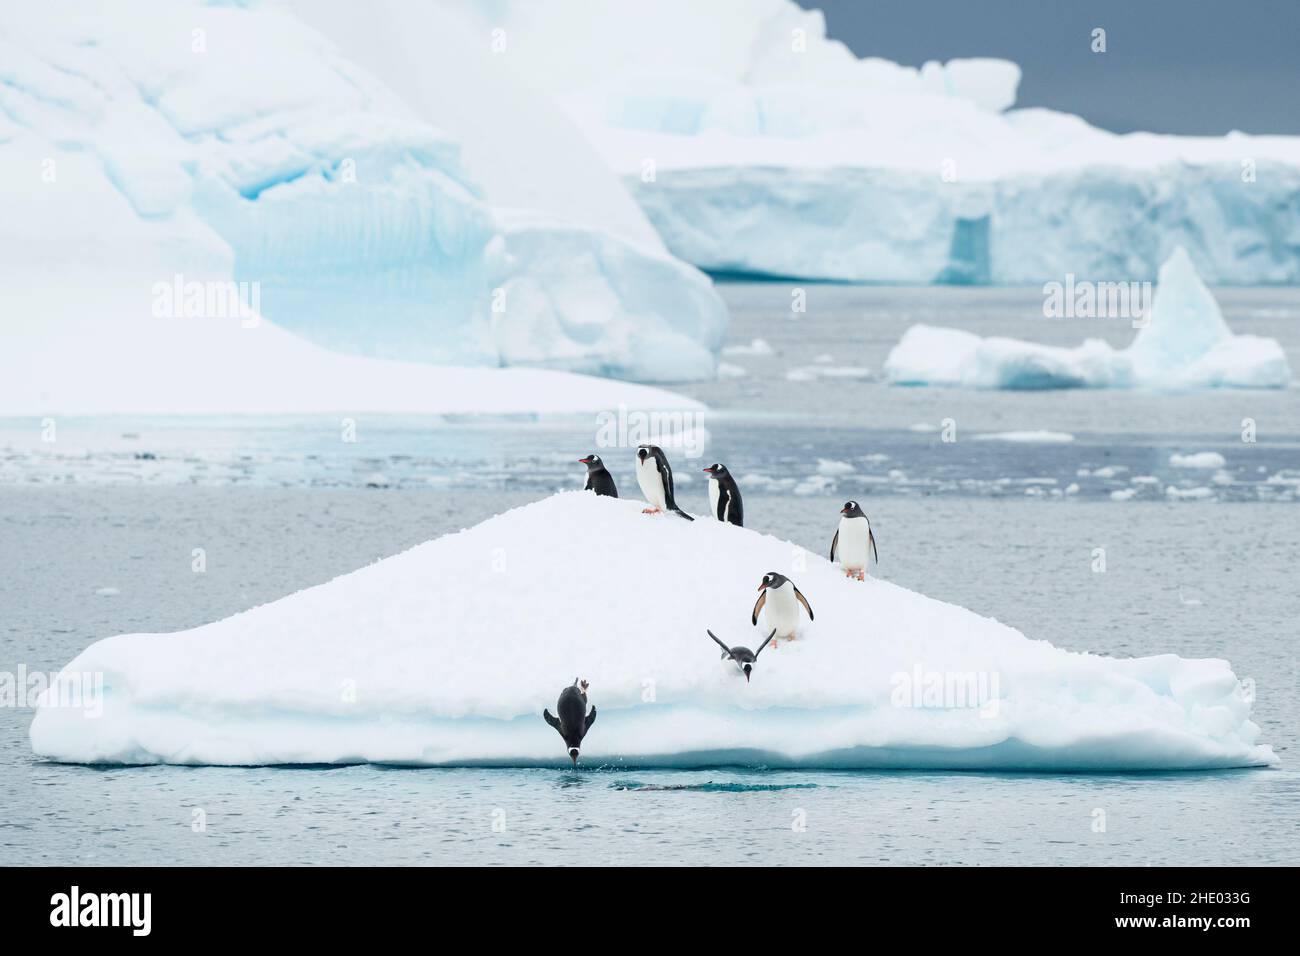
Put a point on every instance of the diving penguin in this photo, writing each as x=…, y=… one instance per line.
x=598, y=479
x=655, y=476
x=852, y=540
x=724, y=495
x=743, y=656
x=574, y=721
x=780, y=600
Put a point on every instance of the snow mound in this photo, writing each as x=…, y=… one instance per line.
x=447, y=653
x=1185, y=344
x=390, y=193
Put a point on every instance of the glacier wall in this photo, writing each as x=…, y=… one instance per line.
x=248, y=146
x=902, y=225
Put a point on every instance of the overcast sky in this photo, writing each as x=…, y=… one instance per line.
x=1171, y=66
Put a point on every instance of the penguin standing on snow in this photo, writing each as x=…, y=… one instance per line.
x=743, y=656
x=852, y=540
x=598, y=479
x=655, y=477
x=724, y=496
x=780, y=600
x=574, y=721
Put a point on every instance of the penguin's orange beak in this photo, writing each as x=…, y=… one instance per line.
x=762, y=585
x=844, y=511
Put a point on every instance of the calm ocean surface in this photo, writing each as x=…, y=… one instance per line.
x=95, y=541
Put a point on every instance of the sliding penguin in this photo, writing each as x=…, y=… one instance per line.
x=780, y=600
x=852, y=540
x=724, y=495
x=655, y=477
x=574, y=721
x=598, y=479
x=743, y=656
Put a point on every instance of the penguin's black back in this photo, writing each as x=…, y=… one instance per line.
x=572, y=711
x=602, y=483
x=735, y=510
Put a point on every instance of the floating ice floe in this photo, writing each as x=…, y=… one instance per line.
x=1200, y=459
x=1185, y=344
x=446, y=654
x=1028, y=437
x=376, y=179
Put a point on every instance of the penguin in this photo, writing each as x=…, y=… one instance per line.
x=598, y=479
x=655, y=477
x=724, y=496
x=853, y=538
x=574, y=721
x=743, y=656
x=781, y=599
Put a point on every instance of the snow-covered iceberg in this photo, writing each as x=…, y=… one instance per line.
x=756, y=144
x=1185, y=343
x=447, y=653
x=369, y=172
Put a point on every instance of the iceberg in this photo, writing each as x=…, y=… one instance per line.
x=756, y=144
x=1184, y=344
x=446, y=654
x=366, y=171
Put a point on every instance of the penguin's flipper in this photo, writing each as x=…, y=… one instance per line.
x=553, y=721
x=758, y=606
x=590, y=485
x=766, y=642
x=835, y=543
x=724, y=500
x=804, y=601
x=591, y=719
x=872, y=538
x=726, y=651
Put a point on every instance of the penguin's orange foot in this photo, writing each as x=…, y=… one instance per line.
x=862, y=575
x=650, y=511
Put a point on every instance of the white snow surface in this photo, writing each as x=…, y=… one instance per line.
x=391, y=193
x=756, y=144
x=1186, y=344
x=447, y=653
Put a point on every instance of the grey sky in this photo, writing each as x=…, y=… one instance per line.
x=1171, y=66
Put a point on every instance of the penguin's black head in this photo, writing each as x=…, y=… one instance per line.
x=852, y=509
x=573, y=755
x=747, y=668
x=772, y=579
x=591, y=461
x=643, y=452
x=716, y=470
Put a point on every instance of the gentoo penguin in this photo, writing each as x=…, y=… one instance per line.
x=574, y=721
x=598, y=479
x=724, y=496
x=655, y=477
x=780, y=600
x=743, y=656
x=852, y=540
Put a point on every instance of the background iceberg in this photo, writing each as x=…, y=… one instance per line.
x=377, y=217
x=1185, y=344
x=757, y=145
x=447, y=653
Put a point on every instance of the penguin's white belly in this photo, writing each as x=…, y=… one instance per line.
x=782, y=610
x=714, y=493
x=853, y=547
x=647, y=476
